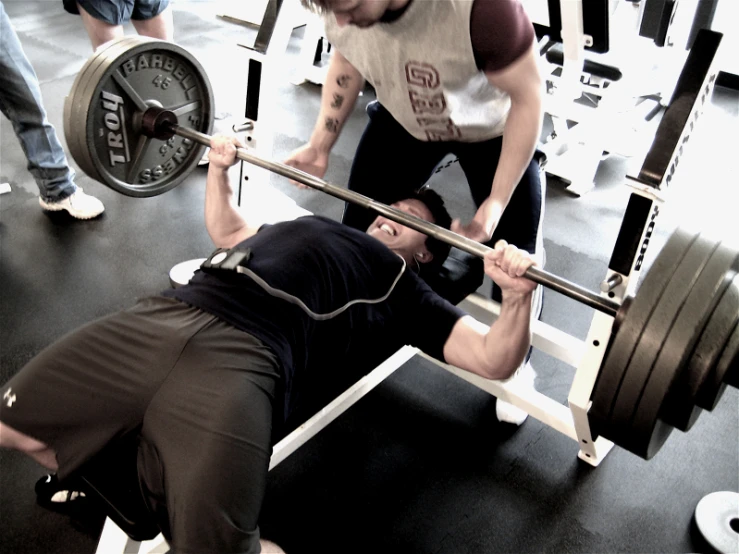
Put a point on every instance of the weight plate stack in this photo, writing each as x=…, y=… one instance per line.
x=710, y=322
x=650, y=371
x=638, y=311
x=724, y=371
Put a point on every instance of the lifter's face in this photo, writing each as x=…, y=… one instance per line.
x=404, y=241
x=363, y=13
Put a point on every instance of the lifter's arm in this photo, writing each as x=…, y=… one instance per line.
x=340, y=92
x=223, y=220
x=495, y=352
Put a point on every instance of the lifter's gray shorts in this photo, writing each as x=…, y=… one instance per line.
x=199, y=391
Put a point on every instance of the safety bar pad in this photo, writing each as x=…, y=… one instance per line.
x=556, y=56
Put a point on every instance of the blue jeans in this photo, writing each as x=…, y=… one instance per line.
x=390, y=164
x=21, y=103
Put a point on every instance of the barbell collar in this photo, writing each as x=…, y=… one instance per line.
x=536, y=274
x=158, y=123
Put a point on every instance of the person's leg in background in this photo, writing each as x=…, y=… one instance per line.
x=21, y=103
x=520, y=225
x=153, y=18
x=103, y=20
x=389, y=165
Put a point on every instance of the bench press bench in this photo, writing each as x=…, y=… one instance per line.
x=111, y=478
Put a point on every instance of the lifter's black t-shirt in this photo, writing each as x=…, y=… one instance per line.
x=326, y=265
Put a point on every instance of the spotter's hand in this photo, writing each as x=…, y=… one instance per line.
x=483, y=225
x=309, y=159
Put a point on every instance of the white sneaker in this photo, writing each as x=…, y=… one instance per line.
x=79, y=205
x=508, y=413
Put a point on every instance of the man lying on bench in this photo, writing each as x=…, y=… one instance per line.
x=197, y=373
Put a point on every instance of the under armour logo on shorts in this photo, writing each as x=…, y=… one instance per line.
x=9, y=398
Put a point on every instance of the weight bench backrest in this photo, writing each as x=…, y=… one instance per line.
x=555, y=55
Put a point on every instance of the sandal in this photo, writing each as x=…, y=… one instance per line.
x=55, y=495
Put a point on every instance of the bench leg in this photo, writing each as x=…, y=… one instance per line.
x=114, y=541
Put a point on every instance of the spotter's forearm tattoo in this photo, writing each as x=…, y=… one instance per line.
x=332, y=124
x=338, y=101
x=343, y=80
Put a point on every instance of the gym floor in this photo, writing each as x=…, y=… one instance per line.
x=420, y=465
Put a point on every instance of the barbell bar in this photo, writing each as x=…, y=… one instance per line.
x=150, y=120
x=536, y=274
x=138, y=117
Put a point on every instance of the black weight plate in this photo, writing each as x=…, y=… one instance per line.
x=623, y=343
x=649, y=427
x=700, y=372
x=730, y=359
x=74, y=123
x=688, y=419
x=720, y=373
x=678, y=406
x=643, y=369
x=142, y=74
x=727, y=361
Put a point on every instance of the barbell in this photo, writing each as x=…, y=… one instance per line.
x=137, y=119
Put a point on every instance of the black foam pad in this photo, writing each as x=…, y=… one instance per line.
x=459, y=276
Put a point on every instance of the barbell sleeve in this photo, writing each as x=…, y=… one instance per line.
x=536, y=274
